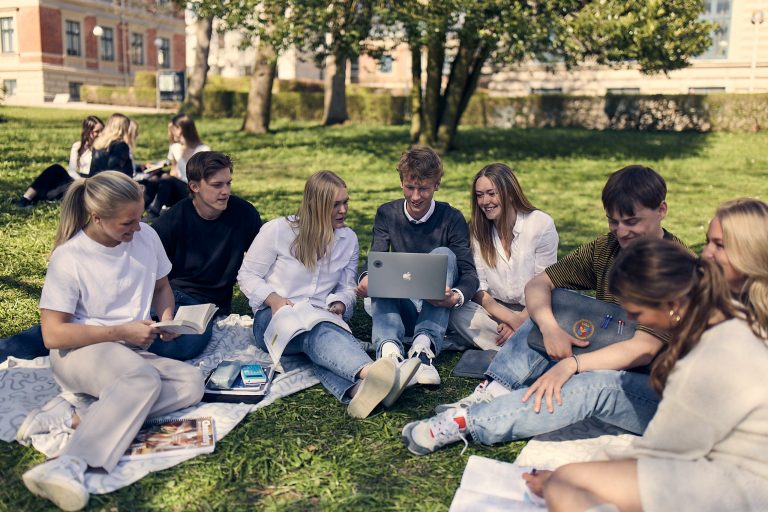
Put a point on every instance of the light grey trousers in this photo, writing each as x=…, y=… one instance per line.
x=129, y=386
x=475, y=326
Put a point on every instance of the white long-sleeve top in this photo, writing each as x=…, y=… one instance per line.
x=533, y=248
x=270, y=267
x=79, y=166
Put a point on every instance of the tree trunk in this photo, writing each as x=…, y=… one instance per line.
x=257, y=115
x=459, y=85
x=194, y=102
x=431, y=103
x=416, y=108
x=335, y=97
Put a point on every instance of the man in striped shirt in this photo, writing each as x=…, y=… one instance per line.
x=507, y=406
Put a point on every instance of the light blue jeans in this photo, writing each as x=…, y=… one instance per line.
x=186, y=346
x=621, y=398
x=393, y=319
x=335, y=355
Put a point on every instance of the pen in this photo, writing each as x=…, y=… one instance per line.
x=533, y=471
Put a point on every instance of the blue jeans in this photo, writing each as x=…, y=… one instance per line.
x=621, y=398
x=24, y=345
x=335, y=355
x=186, y=346
x=393, y=319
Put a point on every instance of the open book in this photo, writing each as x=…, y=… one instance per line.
x=492, y=485
x=290, y=321
x=189, y=319
x=155, y=166
x=163, y=437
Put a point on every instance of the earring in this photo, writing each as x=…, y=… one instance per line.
x=674, y=316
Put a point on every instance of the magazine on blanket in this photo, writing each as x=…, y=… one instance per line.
x=189, y=319
x=492, y=485
x=164, y=437
x=290, y=321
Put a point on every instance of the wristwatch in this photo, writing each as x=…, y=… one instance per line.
x=461, y=298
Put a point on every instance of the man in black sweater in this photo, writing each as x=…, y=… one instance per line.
x=205, y=236
x=419, y=224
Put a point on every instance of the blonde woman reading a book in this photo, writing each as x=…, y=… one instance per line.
x=106, y=271
x=512, y=241
x=312, y=256
x=706, y=448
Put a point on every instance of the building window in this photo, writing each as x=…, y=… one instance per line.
x=164, y=53
x=73, y=38
x=9, y=87
x=74, y=90
x=108, y=44
x=622, y=90
x=706, y=90
x=6, y=35
x=385, y=64
x=547, y=90
x=137, y=49
x=718, y=11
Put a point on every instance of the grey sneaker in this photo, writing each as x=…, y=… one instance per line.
x=426, y=436
x=479, y=395
x=427, y=373
x=55, y=413
x=60, y=480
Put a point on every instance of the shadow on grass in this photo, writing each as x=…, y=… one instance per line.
x=20, y=286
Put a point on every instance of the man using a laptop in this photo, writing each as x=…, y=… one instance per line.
x=419, y=224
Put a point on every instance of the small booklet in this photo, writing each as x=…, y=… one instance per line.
x=290, y=321
x=189, y=319
x=155, y=166
x=494, y=486
x=164, y=437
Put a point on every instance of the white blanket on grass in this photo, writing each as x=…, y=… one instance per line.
x=25, y=385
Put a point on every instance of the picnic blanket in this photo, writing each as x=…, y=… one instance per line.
x=25, y=385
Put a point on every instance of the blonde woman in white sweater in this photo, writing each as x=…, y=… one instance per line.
x=707, y=446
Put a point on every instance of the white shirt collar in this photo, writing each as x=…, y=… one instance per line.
x=426, y=216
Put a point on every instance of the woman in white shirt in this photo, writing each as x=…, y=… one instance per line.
x=312, y=256
x=512, y=241
x=105, y=273
x=706, y=448
x=185, y=142
x=54, y=180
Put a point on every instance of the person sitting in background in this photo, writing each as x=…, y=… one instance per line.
x=512, y=242
x=112, y=148
x=706, y=448
x=205, y=236
x=54, y=180
x=185, y=142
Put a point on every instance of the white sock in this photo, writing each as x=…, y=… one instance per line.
x=422, y=342
x=389, y=349
x=496, y=389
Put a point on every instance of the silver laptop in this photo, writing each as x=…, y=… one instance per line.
x=407, y=275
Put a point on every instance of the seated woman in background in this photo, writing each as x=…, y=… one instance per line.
x=707, y=446
x=512, y=241
x=185, y=142
x=312, y=256
x=105, y=273
x=54, y=180
x=112, y=149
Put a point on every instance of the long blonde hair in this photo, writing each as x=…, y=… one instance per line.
x=314, y=219
x=745, y=238
x=117, y=128
x=512, y=200
x=103, y=194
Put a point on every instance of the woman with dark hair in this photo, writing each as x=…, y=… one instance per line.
x=54, y=180
x=707, y=446
x=512, y=241
x=185, y=142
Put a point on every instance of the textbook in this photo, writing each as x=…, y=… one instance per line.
x=164, y=437
x=189, y=319
x=155, y=166
x=290, y=321
x=494, y=486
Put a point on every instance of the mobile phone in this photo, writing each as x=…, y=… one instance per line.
x=253, y=374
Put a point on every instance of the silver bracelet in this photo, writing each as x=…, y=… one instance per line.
x=577, y=362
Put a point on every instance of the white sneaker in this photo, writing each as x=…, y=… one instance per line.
x=426, y=436
x=479, y=395
x=406, y=369
x=427, y=374
x=60, y=480
x=55, y=413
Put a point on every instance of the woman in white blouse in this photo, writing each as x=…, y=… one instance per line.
x=312, y=256
x=512, y=241
x=54, y=180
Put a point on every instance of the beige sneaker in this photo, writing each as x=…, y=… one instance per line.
x=373, y=388
x=60, y=480
x=406, y=369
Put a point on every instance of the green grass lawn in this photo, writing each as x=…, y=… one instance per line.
x=303, y=452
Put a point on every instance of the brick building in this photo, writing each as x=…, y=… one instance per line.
x=50, y=47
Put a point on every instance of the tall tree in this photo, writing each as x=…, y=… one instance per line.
x=203, y=30
x=658, y=35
